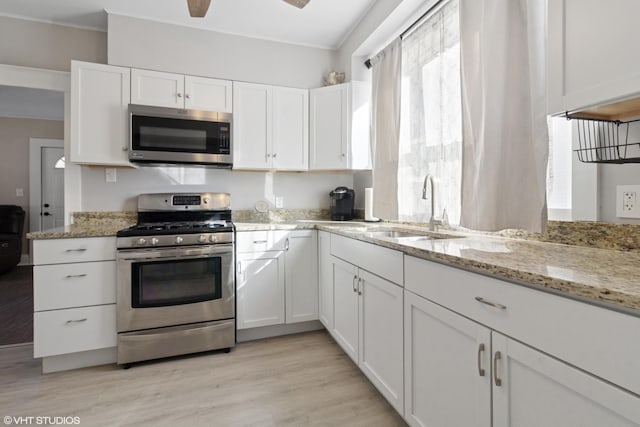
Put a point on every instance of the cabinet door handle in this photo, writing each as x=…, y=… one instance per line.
x=239, y=267
x=259, y=242
x=76, y=321
x=353, y=283
x=481, y=370
x=274, y=155
x=76, y=250
x=490, y=303
x=496, y=359
x=75, y=276
x=286, y=244
x=179, y=95
x=187, y=96
x=360, y=286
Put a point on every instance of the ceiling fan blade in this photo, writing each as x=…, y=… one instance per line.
x=297, y=3
x=198, y=8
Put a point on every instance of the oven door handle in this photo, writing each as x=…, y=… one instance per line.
x=173, y=253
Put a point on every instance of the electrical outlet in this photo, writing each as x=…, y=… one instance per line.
x=19, y=192
x=627, y=201
x=110, y=174
x=279, y=202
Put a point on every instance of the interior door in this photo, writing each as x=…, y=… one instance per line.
x=52, y=199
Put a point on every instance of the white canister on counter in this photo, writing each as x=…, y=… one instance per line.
x=368, y=205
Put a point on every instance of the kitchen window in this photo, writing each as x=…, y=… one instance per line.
x=431, y=125
x=431, y=122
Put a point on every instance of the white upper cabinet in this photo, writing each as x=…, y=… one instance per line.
x=179, y=91
x=99, y=119
x=339, y=127
x=593, y=55
x=290, y=128
x=252, y=126
x=202, y=93
x=271, y=127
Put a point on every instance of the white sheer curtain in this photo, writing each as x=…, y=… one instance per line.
x=386, y=130
x=506, y=140
x=431, y=129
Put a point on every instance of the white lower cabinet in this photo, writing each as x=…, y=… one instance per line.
x=459, y=372
x=531, y=389
x=325, y=280
x=447, y=376
x=260, y=289
x=300, y=275
x=368, y=325
x=345, y=306
x=74, y=286
x=277, y=277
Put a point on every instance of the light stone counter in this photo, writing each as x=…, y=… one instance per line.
x=606, y=277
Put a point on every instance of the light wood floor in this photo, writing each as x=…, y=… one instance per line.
x=297, y=380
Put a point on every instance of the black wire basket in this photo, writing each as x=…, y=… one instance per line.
x=606, y=141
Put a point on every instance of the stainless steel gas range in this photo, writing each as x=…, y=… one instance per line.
x=175, y=277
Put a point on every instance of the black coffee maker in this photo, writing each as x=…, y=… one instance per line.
x=342, y=200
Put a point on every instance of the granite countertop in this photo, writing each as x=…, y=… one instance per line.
x=601, y=276
x=606, y=277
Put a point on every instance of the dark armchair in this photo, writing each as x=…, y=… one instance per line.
x=11, y=232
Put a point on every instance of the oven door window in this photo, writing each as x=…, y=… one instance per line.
x=179, y=135
x=176, y=282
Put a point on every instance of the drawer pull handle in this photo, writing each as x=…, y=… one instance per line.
x=75, y=276
x=496, y=359
x=76, y=321
x=492, y=304
x=259, y=242
x=481, y=370
x=76, y=250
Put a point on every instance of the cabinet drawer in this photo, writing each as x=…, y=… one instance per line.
x=60, y=251
x=601, y=341
x=61, y=286
x=381, y=261
x=259, y=241
x=73, y=330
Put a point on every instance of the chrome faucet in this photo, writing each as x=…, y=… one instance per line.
x=433, y=221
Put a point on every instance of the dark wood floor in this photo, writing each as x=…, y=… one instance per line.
x=16, y=306
x=292, y=381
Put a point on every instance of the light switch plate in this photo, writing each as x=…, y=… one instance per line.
x=628, y=201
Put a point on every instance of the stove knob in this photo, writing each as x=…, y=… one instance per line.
x=154, y=241
x=213, y=238
x=141, y=241
x=202, y=238
x=179, y=240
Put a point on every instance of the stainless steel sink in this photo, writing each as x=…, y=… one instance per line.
x=395, y=234
x=408, y=236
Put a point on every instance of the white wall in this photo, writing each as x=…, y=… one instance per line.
x=300, y=190
x=139, y=43
x=42, y=45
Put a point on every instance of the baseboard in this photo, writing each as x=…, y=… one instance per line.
x=25, y=259
x=277, y=330
x=83, y=359
x=16, y=345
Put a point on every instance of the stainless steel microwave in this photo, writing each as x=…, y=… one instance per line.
x=174, y=136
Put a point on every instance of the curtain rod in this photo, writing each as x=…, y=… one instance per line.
x=411, y=27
